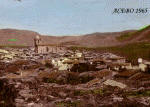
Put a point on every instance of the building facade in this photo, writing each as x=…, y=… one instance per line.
x=42, y=48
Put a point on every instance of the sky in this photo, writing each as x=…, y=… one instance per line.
x=72, y=17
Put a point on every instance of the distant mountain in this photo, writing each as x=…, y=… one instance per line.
x=91, y=40
x=25, y=38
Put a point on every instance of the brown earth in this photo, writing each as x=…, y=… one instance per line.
x=90, y=40
x=25, y=37
x=143, y=35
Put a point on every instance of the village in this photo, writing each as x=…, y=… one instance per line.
x=49, y=75
x=67, y=59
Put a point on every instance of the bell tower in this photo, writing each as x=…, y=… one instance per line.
x=37, y=42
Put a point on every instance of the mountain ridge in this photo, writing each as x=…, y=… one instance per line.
x=97, y=39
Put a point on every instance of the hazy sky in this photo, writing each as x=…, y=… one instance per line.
x=71, y=17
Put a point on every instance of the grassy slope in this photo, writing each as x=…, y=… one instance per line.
x=128, y=35
x=131, y=51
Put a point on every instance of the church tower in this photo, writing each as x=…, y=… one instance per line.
x=37, y=42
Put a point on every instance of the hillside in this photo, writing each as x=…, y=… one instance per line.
x=17, y=37
x=25, y=38
x=90, y=40
x=141, y=35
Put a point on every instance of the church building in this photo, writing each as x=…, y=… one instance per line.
x=40, y=47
